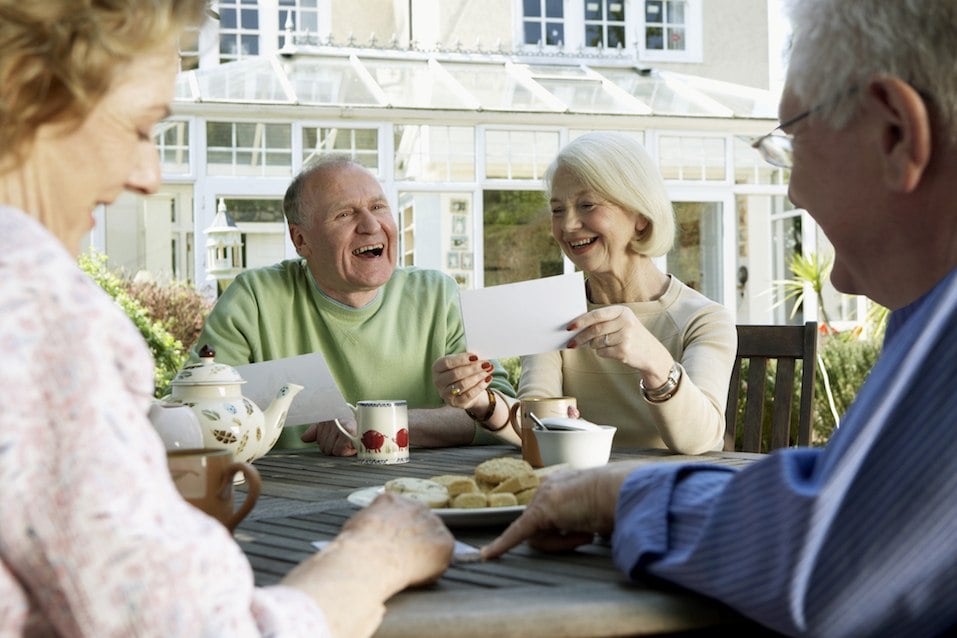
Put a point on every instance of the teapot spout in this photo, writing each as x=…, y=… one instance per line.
x=275, y=414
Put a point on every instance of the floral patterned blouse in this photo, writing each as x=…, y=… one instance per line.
x=94, y=538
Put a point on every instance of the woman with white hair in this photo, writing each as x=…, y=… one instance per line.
x=651, y=356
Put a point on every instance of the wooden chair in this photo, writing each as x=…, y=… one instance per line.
x=759, y=345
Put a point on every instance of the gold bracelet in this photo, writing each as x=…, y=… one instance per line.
x=488, y=413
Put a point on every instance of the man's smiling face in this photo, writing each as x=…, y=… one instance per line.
x=350, y=238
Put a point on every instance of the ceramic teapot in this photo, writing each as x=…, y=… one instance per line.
x=227, y=418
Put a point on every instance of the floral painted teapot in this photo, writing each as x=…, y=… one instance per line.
x=227, y=418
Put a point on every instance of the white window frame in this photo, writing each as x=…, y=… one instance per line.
x=694, y=35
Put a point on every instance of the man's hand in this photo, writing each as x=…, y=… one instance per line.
x=331, y=441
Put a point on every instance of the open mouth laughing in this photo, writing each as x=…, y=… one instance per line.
x=369, y=252
x=581, y=243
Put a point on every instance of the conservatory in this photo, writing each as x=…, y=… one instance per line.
x=460, y=141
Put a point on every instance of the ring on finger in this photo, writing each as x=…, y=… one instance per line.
x=454, y=391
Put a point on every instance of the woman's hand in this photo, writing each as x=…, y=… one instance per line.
x=615, y=332
x=461, y=380
x=331, y=441
x=568, y=509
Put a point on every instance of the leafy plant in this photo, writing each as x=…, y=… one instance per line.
x=177, y=305
x=168, y=352
x=807, y=270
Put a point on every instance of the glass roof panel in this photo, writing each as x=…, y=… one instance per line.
x=412, y=83
x=654, y=91
x=744, y=101
x=588, y=95
x=329, y=81
x=249, y=80
x=184, y=88
x=495, y=88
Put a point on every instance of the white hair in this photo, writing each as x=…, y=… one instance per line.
x=838, y=45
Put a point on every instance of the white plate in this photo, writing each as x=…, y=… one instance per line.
x=453, y=516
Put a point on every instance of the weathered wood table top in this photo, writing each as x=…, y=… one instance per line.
x=525, y=593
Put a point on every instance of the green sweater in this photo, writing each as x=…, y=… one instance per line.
x=384, y=350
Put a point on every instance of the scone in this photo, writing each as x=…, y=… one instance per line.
x=525, y=496
x=470, y=500
x=457, y=484
x=433, y=494
x=504, y=499
x=495, y=471
x=516, y=484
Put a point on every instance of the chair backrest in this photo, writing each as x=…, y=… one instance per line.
x=759, y=345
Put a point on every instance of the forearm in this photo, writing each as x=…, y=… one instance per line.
x=440, y=427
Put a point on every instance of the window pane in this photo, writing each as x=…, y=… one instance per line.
x=219, y=134
x=616, y=10
x=616, y=36
x=555, y=34
x=676, y=39
x=250, y=18
x=593, y=10
x=654, y=38
x=227, y=18
x=532, y=8
x=593, y=35
x=676, y=12
x=435, y=153
x=250, y=45
x=554, y=9
x=533, y=33
x=517, y=237
x=654, y=12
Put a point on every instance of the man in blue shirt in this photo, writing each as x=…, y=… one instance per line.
x=858, y=538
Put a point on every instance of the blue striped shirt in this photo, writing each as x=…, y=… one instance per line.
x=858, y=538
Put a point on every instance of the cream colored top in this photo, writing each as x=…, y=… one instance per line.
x=699, y=334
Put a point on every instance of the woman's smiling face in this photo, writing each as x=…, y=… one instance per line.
x=592, y=231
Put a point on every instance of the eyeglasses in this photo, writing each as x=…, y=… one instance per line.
x=777, y=147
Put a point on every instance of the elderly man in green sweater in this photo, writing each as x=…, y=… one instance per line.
x=379, y=328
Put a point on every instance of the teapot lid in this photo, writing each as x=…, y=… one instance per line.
x=207, y=371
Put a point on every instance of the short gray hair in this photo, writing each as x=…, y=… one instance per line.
x=618, y=167
x=293, y=206
x=837, y=45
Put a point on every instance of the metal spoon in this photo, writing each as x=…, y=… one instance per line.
x=538, y=424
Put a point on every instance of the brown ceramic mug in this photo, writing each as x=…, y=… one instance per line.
x=204, y=477
x=522, y=424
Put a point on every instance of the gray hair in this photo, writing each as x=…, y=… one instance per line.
x=293, y=206
x=617, y=167
x=837, y=45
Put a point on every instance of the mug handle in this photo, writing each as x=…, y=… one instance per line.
x=253, y=483
x=513, y=418
x=356, y=441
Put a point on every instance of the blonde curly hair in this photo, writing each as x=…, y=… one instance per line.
x=58, y=57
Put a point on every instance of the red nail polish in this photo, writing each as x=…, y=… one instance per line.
x=473, y=358
x=487, y=366
x=572, y=326
x=488, y=379
x=572, y=344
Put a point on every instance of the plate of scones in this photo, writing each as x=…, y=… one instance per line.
x=494, y=495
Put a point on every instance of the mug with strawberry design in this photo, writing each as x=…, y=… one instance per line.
x=383, y=431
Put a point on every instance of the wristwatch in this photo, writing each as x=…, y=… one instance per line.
x=667, y=389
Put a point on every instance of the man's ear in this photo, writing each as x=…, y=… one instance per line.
x=298, y=240
x=905, y=141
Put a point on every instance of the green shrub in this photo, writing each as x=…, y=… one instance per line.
x=169, y=353
x=513, y=366
x=848, y=361
x=177, y=305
